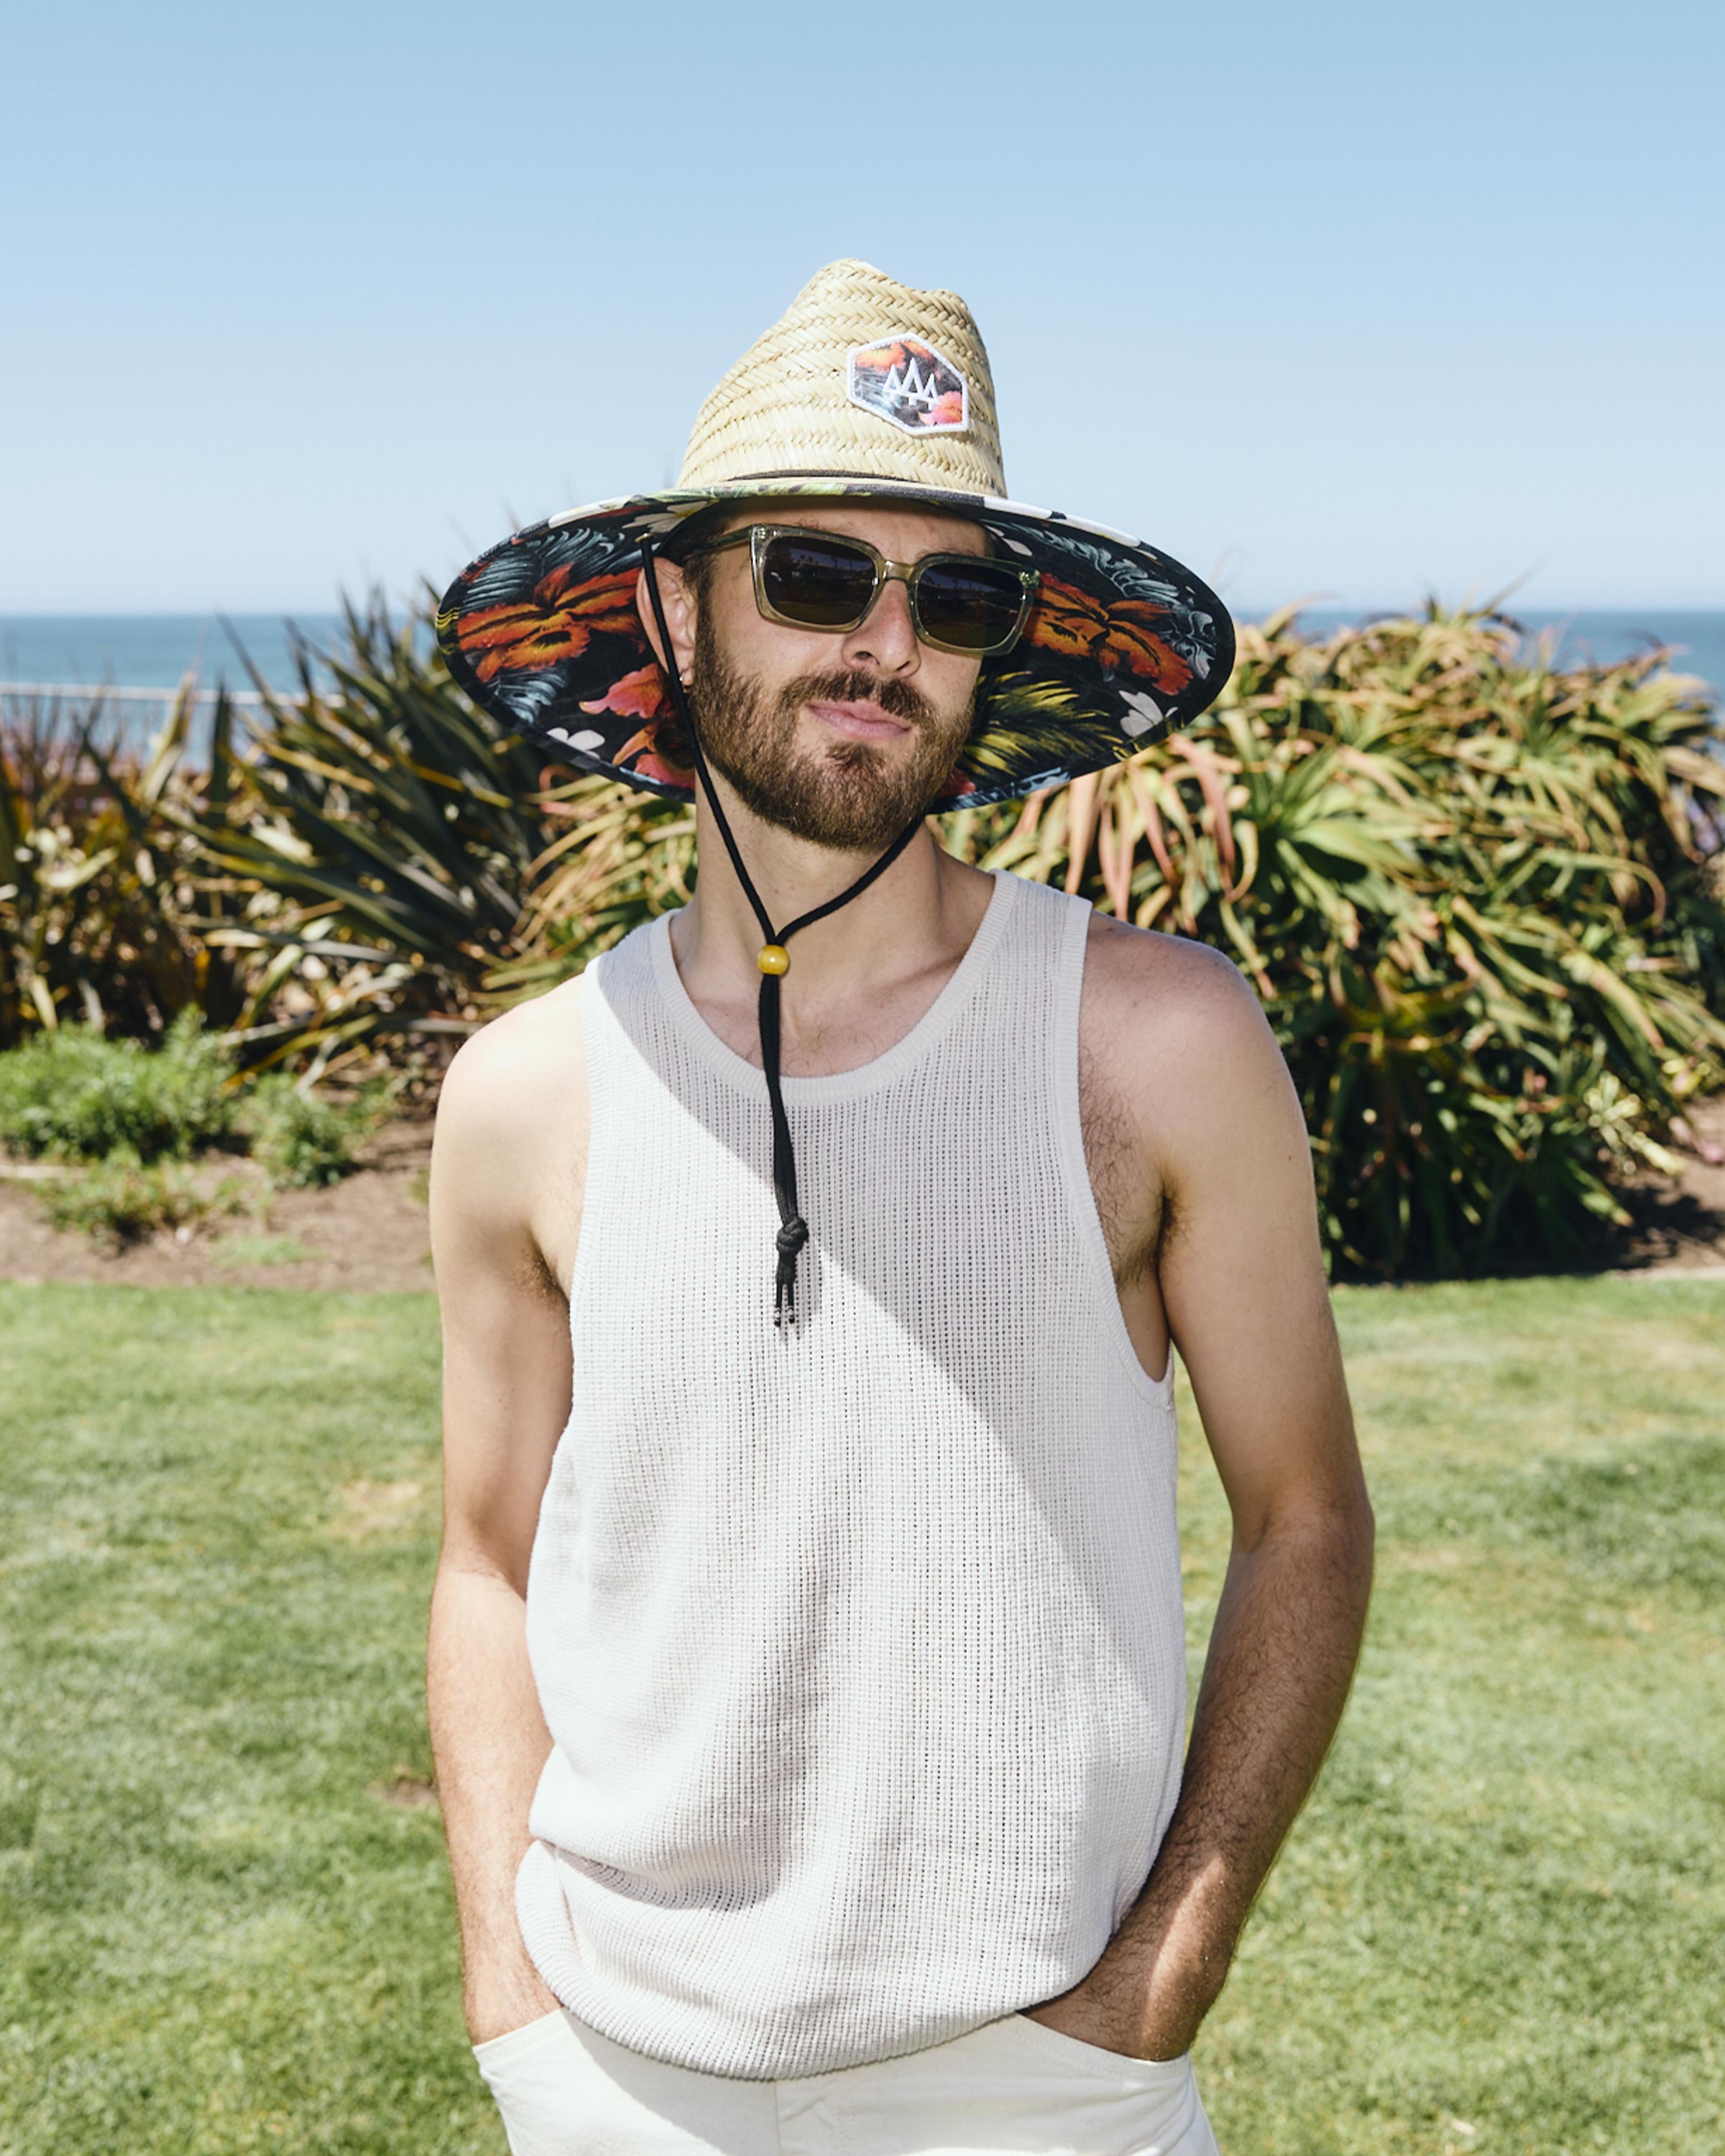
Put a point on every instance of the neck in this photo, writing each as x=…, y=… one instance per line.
x=917, y=917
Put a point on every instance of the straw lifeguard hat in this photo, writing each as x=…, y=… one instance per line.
x=868, y=389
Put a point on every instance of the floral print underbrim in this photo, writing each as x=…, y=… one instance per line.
x=1122, y=646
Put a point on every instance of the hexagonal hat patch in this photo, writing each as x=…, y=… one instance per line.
x=900, y=379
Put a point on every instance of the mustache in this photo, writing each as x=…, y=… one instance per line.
x=853, y=685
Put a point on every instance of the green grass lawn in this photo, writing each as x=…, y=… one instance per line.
x=1498, y=1927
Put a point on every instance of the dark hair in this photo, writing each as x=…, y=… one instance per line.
x=680, y=549
x=683, y=545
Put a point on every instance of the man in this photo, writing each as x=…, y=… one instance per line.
x=807, y=1668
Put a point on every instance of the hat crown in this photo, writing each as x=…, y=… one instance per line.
x=863, y=375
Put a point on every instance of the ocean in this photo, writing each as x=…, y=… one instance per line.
x=156, y=650
x=152, y=652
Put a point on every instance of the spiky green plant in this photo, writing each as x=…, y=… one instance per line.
x=379, y=842
x=1478, y=895
x=99, y=899
x=618, y=858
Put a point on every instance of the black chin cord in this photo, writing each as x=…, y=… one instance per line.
x=774, y=963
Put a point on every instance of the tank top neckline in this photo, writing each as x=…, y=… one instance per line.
x=861, y=1078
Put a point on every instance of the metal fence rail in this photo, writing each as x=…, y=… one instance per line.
x=109, y=692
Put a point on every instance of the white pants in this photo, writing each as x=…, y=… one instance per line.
x=1012, y=2086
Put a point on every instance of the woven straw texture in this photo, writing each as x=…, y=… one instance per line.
x=783, y=407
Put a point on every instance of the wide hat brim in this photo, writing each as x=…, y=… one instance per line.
x=1122, y=645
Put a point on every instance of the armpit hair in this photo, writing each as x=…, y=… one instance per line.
x=1108, y=1149
x=533, y=1275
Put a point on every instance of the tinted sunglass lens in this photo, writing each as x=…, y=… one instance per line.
x=971, y=608
x=820, y=582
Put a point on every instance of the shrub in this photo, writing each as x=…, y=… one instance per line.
x=73, y=1094
x=125, y=1200
x=1479, y=897
x=302, y=1139
x=373, y=843
x=104, y=905
x=613, y=858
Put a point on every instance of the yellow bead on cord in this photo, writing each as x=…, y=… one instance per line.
x=774, y=958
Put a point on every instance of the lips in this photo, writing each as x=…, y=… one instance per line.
x=862, y=721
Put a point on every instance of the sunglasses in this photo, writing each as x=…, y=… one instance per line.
x=967, y=603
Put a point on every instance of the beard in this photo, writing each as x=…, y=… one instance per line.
x=851, y=795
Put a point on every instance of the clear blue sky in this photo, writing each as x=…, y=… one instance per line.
x=1361, y=300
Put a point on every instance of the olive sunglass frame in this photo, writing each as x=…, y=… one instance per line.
x=758, y=537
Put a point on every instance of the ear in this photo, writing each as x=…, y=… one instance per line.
x=679, y=604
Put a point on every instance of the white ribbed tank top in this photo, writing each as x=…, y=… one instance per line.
x=860, y=1646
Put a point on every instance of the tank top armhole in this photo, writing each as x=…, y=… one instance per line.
x=593, y=1015
x=1069, y=990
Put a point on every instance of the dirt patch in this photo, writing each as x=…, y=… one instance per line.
x=376, y=1508
x=411, y=1792
x=370, y=1230
x=1680, y=1227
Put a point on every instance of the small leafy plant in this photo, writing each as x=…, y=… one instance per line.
x=302, y=1140
x=73, y=1094
x=124, y=1199
x=136, y=1116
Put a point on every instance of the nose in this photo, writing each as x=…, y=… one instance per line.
x=886, y=634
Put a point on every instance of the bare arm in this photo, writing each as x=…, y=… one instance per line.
x=1242, y=1281
x=507, y=1381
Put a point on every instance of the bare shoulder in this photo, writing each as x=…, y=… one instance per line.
x=1176, y=1070
x=510, y=1150
x=1177, y=1052
x=1155, y=1003
x=1212, y=1174
x=514, y=1075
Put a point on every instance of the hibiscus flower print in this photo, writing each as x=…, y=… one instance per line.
x=642, y=755
x=637, y=696
x=555, y=621
x=1123, y=633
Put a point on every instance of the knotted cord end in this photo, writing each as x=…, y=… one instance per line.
x=790, y=1239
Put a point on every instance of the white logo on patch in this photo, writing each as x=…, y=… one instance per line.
x=900, y=379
